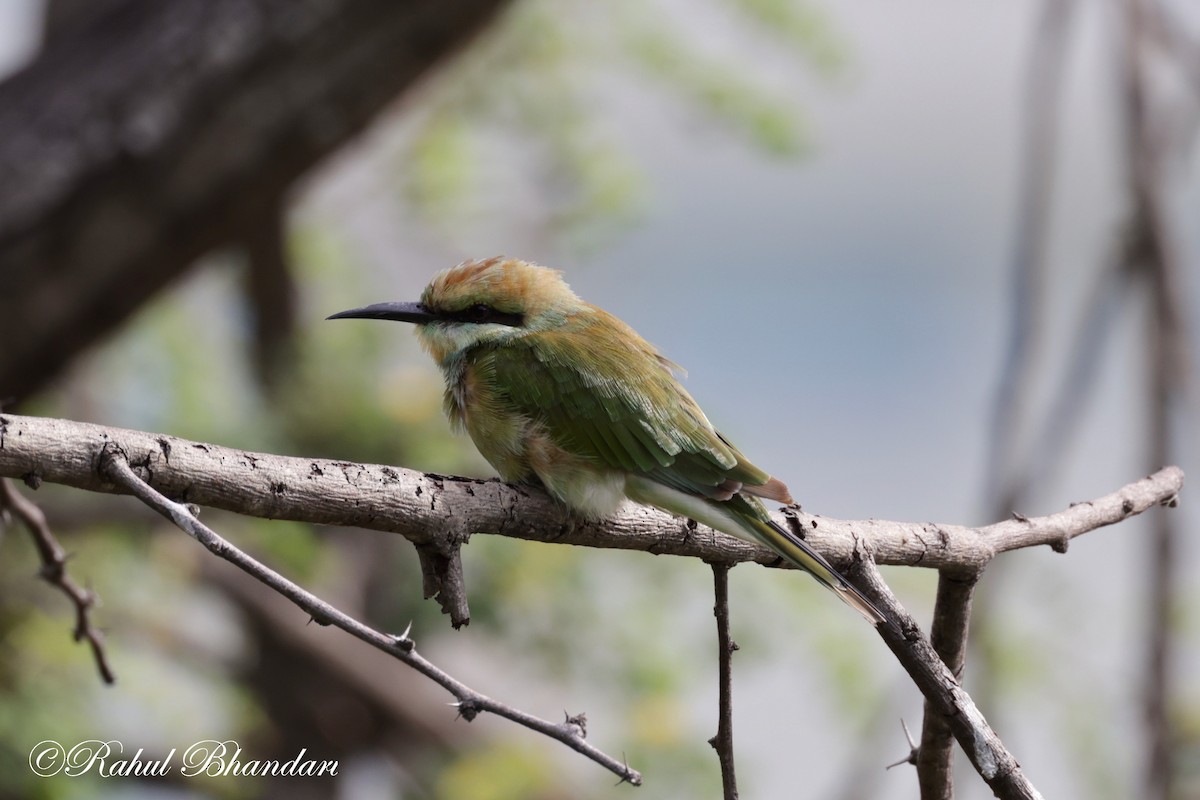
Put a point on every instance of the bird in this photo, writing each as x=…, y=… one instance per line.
x=558, y=392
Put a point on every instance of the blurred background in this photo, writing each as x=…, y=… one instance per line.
x=928, y=261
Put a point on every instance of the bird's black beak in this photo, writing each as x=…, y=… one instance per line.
x=400, y=312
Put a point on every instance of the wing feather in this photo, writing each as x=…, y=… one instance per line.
x=604, y=393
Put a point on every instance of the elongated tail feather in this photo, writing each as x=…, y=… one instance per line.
x=746, y=518
x=797, y=551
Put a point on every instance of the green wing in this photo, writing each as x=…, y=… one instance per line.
x=608, y=396
x=599, y=397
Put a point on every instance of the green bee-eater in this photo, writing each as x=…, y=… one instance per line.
x=556, y=391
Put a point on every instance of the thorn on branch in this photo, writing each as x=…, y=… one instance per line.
x=576, y=725
x=913, y=750
x=628, y=775
x=468, y=708
x=404, y=641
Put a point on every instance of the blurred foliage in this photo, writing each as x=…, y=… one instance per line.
x=511, y=128
x=502, y=770
x=514, y=129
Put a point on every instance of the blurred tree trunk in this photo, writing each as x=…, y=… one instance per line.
x=148, y=133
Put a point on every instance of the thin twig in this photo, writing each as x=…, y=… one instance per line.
x=54, y=572
x=114, y=466
x=723, y=741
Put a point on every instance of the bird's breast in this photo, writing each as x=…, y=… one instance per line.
x=521, y=449
x=474, y=404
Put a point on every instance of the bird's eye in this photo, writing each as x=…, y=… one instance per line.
x=483, y=314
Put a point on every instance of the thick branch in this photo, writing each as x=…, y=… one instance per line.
x=436, y=509
x=139, y=141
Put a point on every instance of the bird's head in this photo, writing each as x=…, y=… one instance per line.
x=480, y=301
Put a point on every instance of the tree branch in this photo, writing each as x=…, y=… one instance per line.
x=145, y=136
x=948, y=635
x=994, y=763
x=723, y=741
x=1154, y=257
x=113, y=464
x=54, y=572
x=429, y=508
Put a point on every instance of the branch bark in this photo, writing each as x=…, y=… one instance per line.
x=948, y=635
x=723, y=741
x=430, y=509
x=991, y=759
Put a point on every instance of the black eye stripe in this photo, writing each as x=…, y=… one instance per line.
x=481, y=314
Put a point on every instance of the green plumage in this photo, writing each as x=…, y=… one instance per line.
x=618, y=406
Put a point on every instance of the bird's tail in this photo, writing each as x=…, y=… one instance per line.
x=747, y=518
x=799, y=553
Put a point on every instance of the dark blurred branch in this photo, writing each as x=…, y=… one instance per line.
x=1011, y=453
x=1159, y=129
x=113, y=464
x=1035, y=204
x=270, y=289
x=723, y=741
x=54, y=572
x=1152, y=258
x=147, y=133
